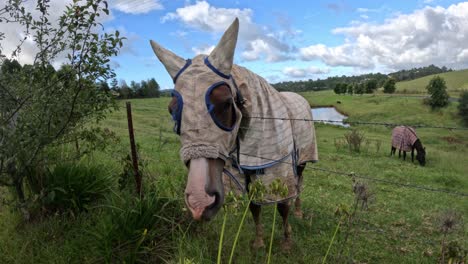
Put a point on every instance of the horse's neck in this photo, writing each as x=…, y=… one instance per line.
x=418, y=145
x=253, y=88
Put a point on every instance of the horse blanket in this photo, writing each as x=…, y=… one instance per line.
x=271, y=145
x=403, y=138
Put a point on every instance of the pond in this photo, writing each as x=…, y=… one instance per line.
x=329, y=113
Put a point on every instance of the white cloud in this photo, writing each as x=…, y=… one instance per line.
x=362, y=10
x=432, y=35
x=136, y=6
x=364, y=16
x=463, y=56
x=259, y=42
x=304, y=72
x=14, y=32
x=208, y=18
x=206, y=50
x=258, y=48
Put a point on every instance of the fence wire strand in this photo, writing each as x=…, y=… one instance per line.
x=358, y=122
x=352, y=174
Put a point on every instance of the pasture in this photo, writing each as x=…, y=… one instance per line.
x=456, y=81
x=400, y=225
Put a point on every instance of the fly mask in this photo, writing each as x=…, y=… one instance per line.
x=204, y=94
x=202, y=132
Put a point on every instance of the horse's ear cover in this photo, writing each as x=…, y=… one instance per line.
x=222, y=57
x=171, y=61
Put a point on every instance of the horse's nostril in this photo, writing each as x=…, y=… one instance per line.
x=215, y=202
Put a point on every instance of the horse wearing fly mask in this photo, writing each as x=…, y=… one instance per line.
x=217, y=108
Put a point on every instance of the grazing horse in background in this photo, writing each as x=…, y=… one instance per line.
x=224, y=146
x=404, y=139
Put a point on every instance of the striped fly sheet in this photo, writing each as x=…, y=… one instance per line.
x=403, y=138
x=270, y=148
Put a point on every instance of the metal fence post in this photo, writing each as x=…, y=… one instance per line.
x=136, y=171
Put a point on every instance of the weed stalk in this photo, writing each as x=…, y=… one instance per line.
x=240, y=228
x=220, y=246
x=272, y=233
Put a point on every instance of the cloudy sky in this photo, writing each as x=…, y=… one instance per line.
x=293, y=40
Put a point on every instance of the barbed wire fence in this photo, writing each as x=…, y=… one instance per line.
x=345, y=121
x=355, y=223
x=357, y=175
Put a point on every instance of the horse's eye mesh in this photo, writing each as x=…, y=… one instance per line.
x=221, y=109
x=176, y=110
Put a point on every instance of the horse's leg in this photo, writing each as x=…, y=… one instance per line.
x=412, y=154
x=404, y=155
x=392, y=151
x=399, y=153
x=297, y=204
x=283, y=209
x=258, y=241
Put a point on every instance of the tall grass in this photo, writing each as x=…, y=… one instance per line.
x=134, y=229
x=75, y=187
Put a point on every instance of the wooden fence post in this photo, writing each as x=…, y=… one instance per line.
x=136, y=171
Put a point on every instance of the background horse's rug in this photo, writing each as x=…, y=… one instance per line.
x=403, y=138
x=270, y=148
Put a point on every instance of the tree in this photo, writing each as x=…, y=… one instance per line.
x=360, y=88
x=42, y=108
x=350, y=89
x=153, y=88
x=438, y=91
x=125, y=91
x=337, y=88
x=344, y=88
x=114, y=84
x=371, y=86
x=463, y=106
x=389, y=86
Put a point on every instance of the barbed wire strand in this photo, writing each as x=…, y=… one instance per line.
x=352, y=174
x=358, y=122
x=348, y=174
x=337, y=121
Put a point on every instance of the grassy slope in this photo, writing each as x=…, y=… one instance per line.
x=400, y=225
x=456, y=81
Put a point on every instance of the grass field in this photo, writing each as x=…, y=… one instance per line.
x=456, y=81
x=401, y=225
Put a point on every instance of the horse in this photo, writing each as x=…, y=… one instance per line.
x=405, y=139
x=236, y=130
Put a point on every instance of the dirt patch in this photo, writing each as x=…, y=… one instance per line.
x=452, y=140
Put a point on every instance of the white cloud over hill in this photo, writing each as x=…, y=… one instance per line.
x=431, y=35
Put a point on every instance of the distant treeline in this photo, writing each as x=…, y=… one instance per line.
x=407, y=75
x=379, y=78
x=143, y=89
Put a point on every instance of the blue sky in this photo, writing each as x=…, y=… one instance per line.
x=289, y=40
x=295, y=40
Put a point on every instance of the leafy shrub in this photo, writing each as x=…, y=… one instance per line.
x=463, y=107
x=75, y=187
x=135, y=229
x=354, y=140
x=438, y=91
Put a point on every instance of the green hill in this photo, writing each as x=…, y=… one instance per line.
x=456, y=82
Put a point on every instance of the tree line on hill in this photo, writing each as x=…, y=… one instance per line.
x=143, y=89
x=414, y=73
x=360, y=80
